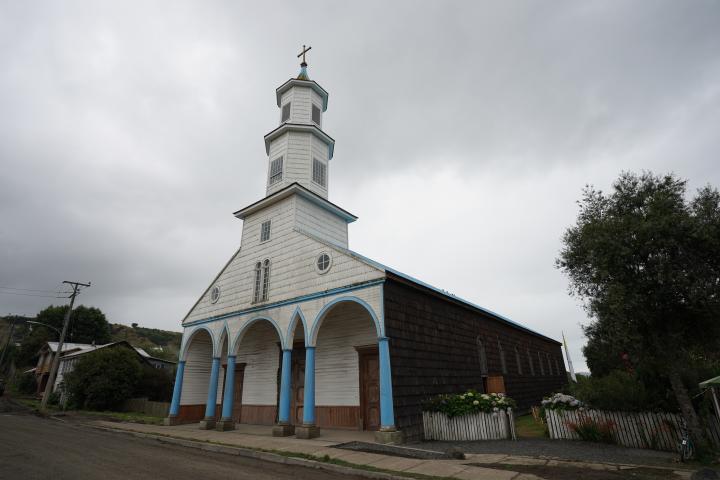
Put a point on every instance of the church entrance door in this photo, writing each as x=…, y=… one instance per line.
x=369, y=388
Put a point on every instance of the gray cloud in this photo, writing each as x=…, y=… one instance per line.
x=130, y=131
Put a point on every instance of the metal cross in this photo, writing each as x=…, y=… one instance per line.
x=304, y=51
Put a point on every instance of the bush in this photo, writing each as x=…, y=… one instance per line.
x=593, y=430
x=561, y=401
x=104, y=379
x=467, y=403
x=617, y=391
x=156, y=384
x=26, y=384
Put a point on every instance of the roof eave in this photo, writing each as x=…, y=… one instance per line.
x=303, y=83
x=301, y=127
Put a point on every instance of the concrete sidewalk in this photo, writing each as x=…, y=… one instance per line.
x=474, y=467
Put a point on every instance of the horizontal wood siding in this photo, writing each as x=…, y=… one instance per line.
x=347, y=326
x=197, y=370
x=321, y=223
x=292, y=255
x=338, y=416
x=258, y=414
x=434, y=350
x=260, y=353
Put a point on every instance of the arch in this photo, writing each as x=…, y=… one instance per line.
x=186, y=343
x=325, y=310
x=224, y=335
x=247, y=325
x=290, y=335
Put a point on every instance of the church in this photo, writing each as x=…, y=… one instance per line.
x=300, y=333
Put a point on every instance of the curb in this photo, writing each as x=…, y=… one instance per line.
x=256, y=454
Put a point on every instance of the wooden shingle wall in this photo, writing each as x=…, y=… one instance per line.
x=434, y=350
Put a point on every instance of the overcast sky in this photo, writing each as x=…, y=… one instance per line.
x=130, y=132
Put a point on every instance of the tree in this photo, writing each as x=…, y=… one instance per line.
x=104, y=379
x=647, y=264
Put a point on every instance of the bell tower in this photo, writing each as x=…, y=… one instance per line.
x=299, y=150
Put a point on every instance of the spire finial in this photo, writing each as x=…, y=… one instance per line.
x=303, y=65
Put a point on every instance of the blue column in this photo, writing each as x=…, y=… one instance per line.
x=387, y=415
x=227, y=407
x=177, y=390
x=285, y=387
x=212, y=390
x=309, y=403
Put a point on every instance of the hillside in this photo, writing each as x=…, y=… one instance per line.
x=158, y=343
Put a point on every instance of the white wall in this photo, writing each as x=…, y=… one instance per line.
x=336, y=360
x=260, y=351
x=321, y=223
x=198, y=365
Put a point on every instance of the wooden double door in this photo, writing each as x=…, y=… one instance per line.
x=369, y=379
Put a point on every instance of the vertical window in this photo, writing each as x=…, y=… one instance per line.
x=503, y=364
x=482, y=356
x=258, y=282
x=542, y=368
x=285, y=113
x=518, y=361
x=276, y=170
x=316, y=114
x=550, y=370
x=266, y=279
x=532, y=366
x=319, y=172
x=265, y=231
x=557, y=366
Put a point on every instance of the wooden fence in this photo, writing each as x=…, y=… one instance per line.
x=143, y=405
x=656, y=431
x=478, y=426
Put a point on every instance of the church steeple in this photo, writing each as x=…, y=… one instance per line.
x=299, y=150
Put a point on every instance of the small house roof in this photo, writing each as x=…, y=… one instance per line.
x=713, y=382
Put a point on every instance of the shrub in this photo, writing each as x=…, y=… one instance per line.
x=561, y=401
x=104, y=379
x=593, y=430
x=26, y=383
x=454, y=405
x=156, y=384
x=617, y=391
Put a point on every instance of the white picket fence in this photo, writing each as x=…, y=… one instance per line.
x=477, y=426
x=657, y=431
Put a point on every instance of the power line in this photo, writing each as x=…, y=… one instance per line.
x=31, y=295
x=29, y=290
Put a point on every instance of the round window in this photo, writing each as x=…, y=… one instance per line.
x=323, y=263
x=215, y=294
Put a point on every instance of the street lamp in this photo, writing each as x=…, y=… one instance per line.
x=44, y=325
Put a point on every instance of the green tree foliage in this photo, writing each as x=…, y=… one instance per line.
x=104, y=379
x=87, y=325
x=26, y=383
x=646, y=262
x=156, y=384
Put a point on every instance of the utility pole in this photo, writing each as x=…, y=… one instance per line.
x=7, y=344
x=56, y=359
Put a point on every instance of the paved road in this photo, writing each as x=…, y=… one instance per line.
x=37, y=448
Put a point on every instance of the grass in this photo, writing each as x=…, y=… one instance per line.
x=527, y=427
x=132, y=417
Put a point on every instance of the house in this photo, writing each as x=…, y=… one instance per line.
x=300, y=332
x=72, y=352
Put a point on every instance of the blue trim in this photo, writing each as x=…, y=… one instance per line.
x=177, y=389
x=212, y=390
x=309, y=400
x=290, y=335
x=192, y=335
x=227, y=406
x=387, y=415
x=302, y=298
x=285, y=387
x=226, y=331
x=321, y=316
x=246, y=326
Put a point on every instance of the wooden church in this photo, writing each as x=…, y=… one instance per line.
x=300, y=332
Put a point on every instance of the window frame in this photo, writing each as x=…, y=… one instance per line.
x=329, y=265
x=257, y=284
x=276, y=161
x=265, y=280
x=262, y=230
x=287, y=105
x=313, y=108
x=322, y=165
